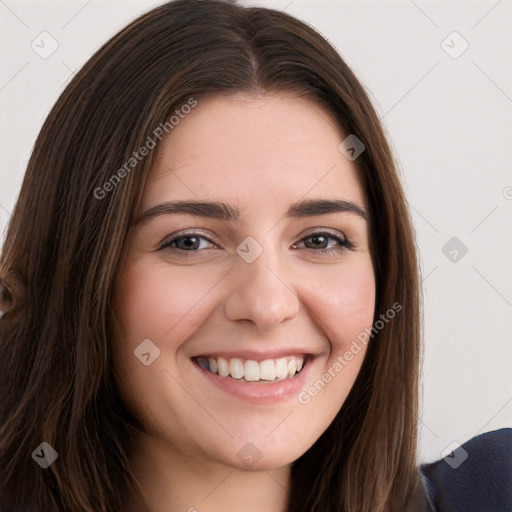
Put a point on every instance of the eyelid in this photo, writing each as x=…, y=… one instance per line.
x=342, y=240
x=321, y=230
x=186, y=232
x=335, y=233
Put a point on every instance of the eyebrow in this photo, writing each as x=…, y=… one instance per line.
x=224, y=211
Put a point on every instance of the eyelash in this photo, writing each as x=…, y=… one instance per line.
x=343, y=243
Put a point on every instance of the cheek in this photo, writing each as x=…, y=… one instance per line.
x=345, y=302
x=152, y=301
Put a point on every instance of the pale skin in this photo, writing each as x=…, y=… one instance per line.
x=259, y=154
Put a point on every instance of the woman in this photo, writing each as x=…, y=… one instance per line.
x=210, y=289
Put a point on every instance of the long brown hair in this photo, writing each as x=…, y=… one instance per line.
x=66, y=240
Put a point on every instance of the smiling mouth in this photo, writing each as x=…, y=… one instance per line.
x=248, y=370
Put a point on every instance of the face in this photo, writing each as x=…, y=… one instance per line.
x=239, y=313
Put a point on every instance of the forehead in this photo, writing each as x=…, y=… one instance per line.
x=253, y=150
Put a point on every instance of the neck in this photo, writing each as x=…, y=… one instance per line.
x=170, y=481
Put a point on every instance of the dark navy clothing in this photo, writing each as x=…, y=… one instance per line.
x=474, y=478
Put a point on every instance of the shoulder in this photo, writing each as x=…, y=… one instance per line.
x=475, y=477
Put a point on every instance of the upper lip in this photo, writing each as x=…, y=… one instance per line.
x=256, y=355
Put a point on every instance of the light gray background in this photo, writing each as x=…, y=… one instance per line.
x=450, y=123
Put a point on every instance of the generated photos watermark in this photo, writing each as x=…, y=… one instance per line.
x=362, y=339
x=145, y=149
x=45, y=455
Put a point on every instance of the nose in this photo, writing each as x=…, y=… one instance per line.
x=259, y=293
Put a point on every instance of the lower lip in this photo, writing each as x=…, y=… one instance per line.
x=261, y=392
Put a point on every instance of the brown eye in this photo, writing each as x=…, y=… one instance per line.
x=319, y=242
x=186, y=242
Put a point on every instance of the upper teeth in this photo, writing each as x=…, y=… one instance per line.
x=250, y=370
